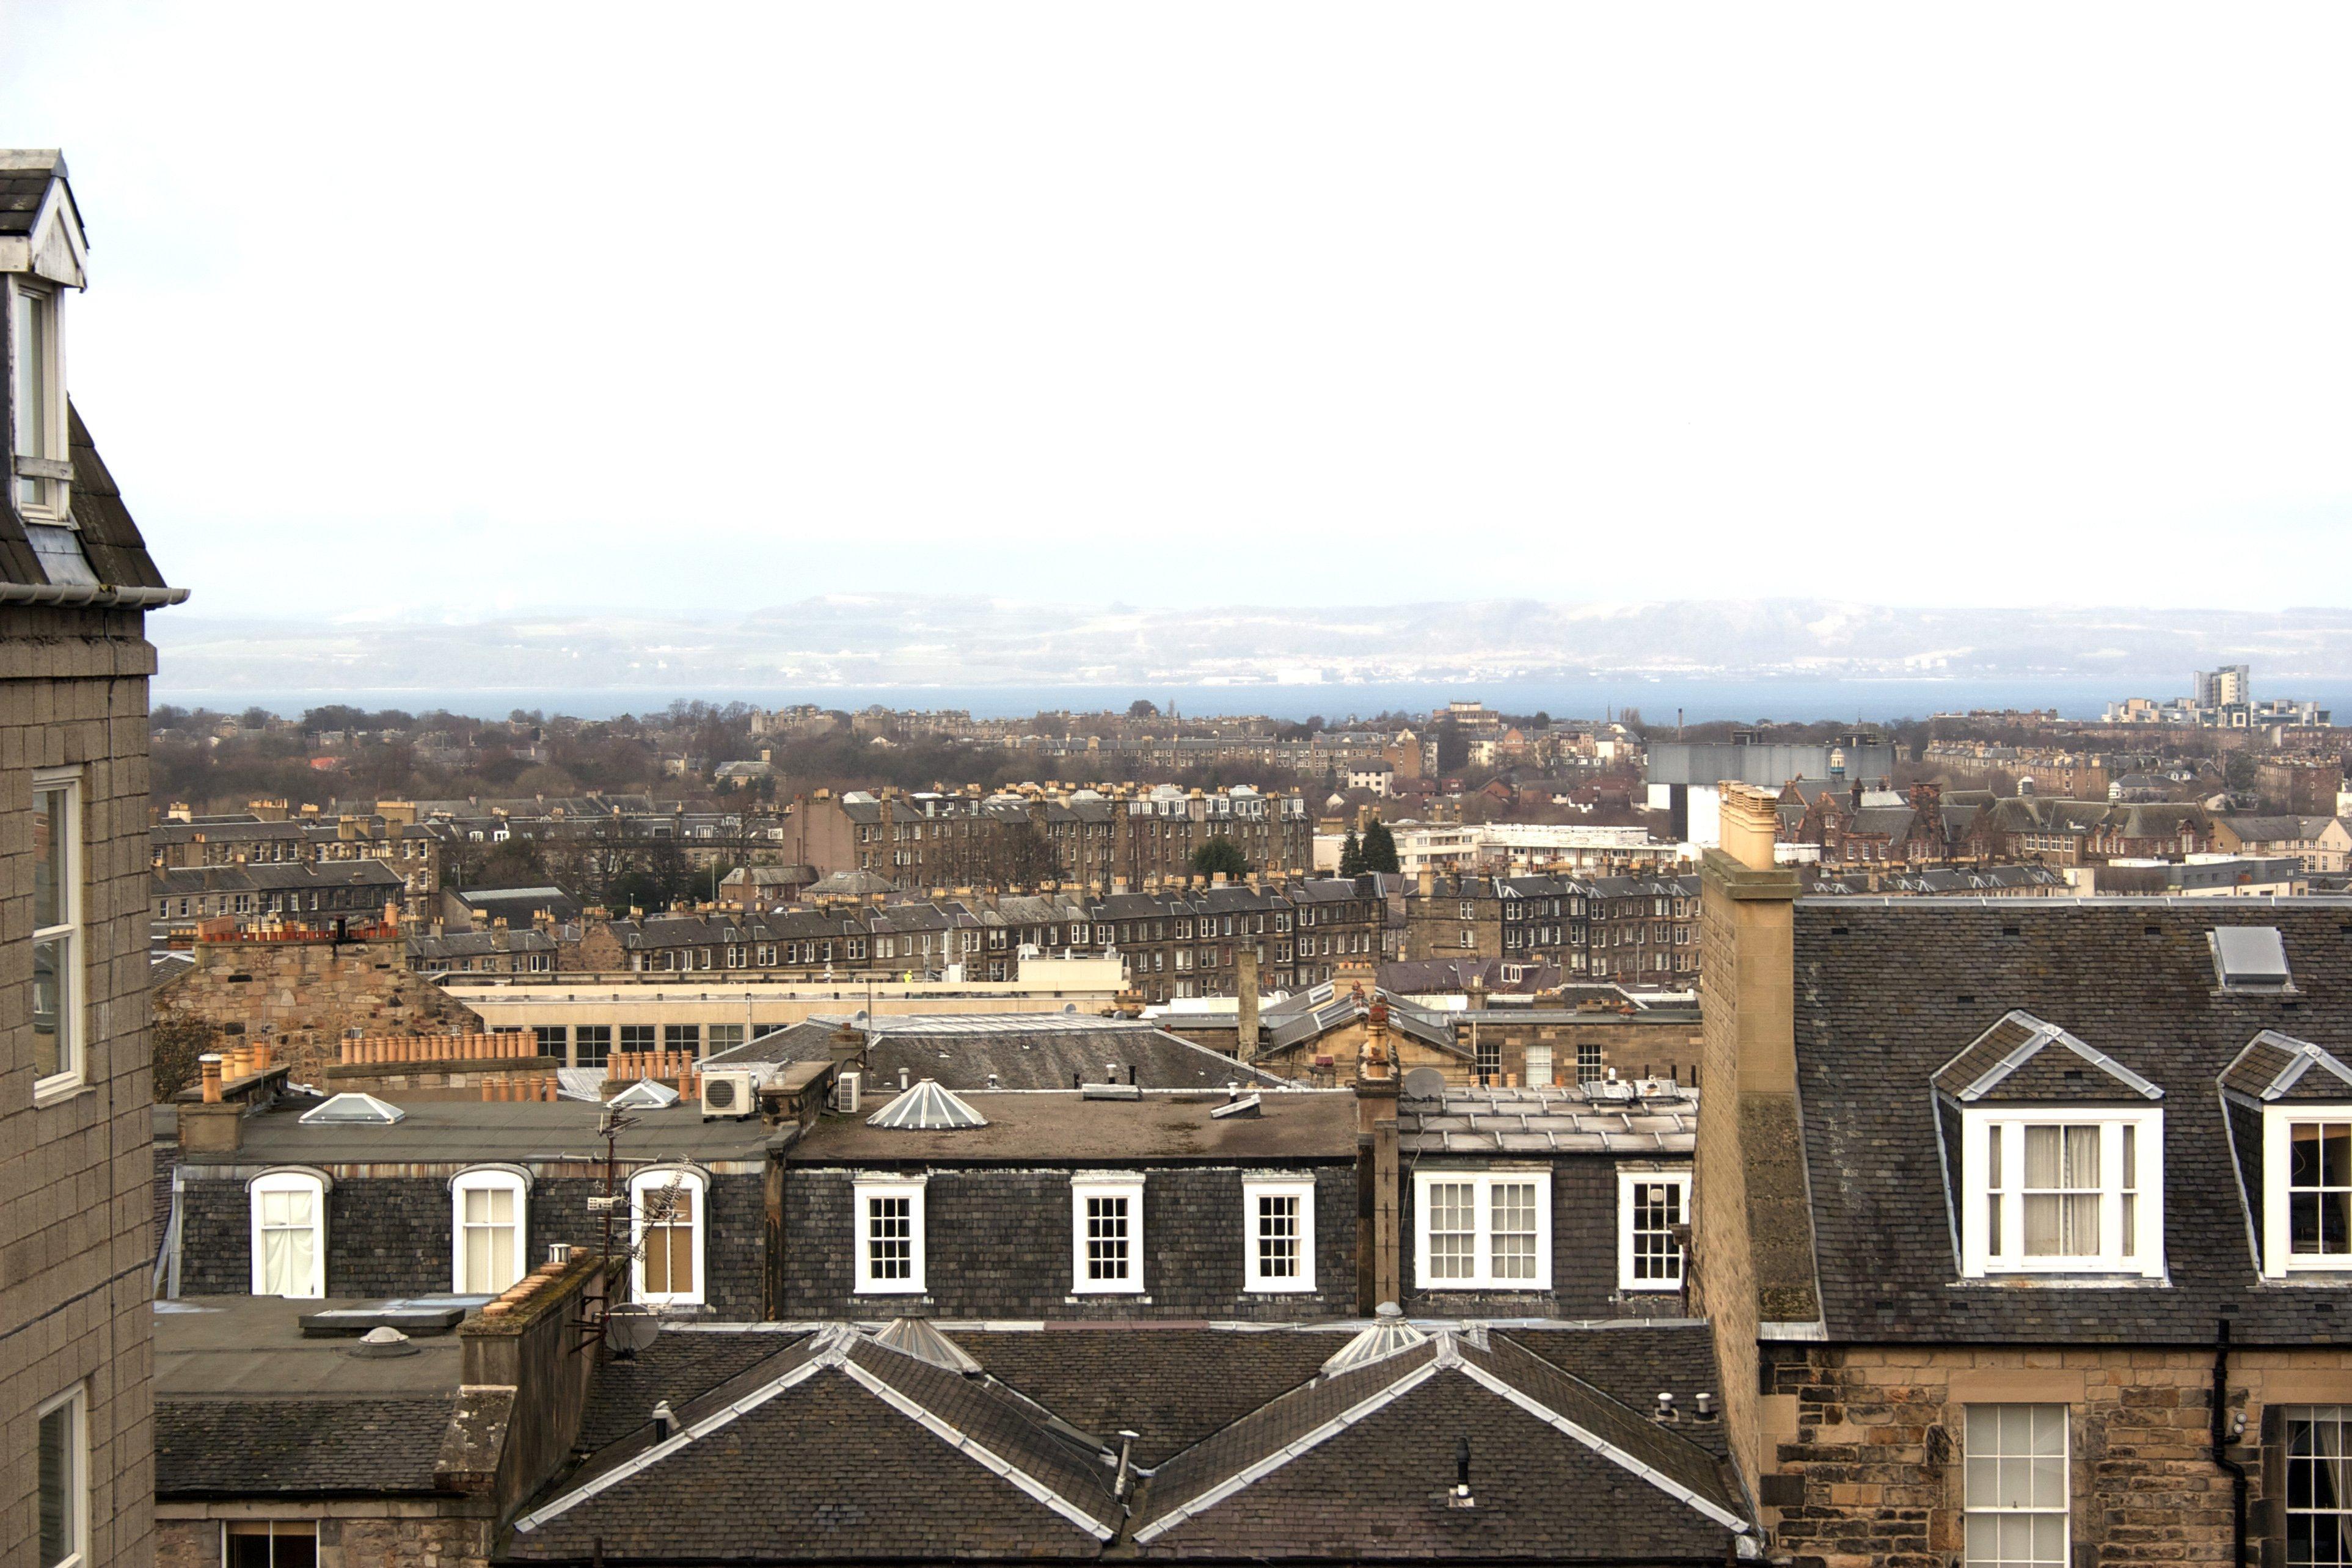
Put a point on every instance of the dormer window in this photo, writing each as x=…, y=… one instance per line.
x=2291, y=1101
x=2060, y=1190
x=2061, y=1155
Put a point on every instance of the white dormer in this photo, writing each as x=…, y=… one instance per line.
x=2299, y=1097
x=2060, y=1157
x=43, y=252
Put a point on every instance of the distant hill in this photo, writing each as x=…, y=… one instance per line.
x=881, y=640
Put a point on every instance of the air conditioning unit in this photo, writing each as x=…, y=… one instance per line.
x=729, y=1092
x=845, y=1094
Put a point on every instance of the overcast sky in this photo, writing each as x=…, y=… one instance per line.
x=484, y=308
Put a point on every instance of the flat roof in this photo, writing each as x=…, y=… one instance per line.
x=1063, y=1125
x=252, y=1347
x=472, y=1129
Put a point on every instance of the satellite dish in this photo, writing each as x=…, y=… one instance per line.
x=630, y=1327
x=1425, y=1083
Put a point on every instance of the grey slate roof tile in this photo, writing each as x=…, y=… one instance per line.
x=1887, y=994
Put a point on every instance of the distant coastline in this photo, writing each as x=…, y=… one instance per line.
x=1788, y=700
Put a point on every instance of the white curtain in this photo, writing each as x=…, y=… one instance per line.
x=2331, y=1488
x=2061, y=1191
x=290, y=1241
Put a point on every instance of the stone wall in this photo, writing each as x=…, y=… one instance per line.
x=390, y=1235
x=76, y=1240
x=1866, y=1446
x=998, y=1243
x=370, y=1533
x=305, y=995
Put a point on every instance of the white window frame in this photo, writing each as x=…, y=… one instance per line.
x=1628, y=1184
x=2331, y=1520
x=1129, y=1186
x=1255, y=1280
x=291, y=1180
x=866, y=1189
x=75, y=1402
x=1978, y=1258
x=2279, y=1259
x=488, y=1179
x=71, y=937
x=1978, y=1466
x=52, y=502
x=688, y=1179
x=1482, y=1277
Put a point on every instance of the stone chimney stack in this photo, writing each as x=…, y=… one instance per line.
x=1379, y=1230
x=1751, y=1241
x=1245, y=993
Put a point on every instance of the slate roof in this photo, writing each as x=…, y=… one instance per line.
x=1889, y=993
x=2276, y=1067
x=2024, y=1059
x=244, y=1447
x=1579, y=1119
x=832, y=1447
x=246, y=1404
x=1358, y=1466
x=961, y=1051
x=274, y=876
x=1317, y=1011
x=836, y=1450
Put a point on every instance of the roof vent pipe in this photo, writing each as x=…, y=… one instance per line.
x=666, y=1420
x=1460, y=1496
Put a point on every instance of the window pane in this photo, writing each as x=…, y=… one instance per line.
x=49, y=851
x=2015, y=1481
x=58, y=1515
x=1453, y=1230
x=294, y=1546
x=32, y=375
x=1107, y=1239
x=890, y=1237
x=1512, y=1206
x=52, y=1047
x=1278, y=1236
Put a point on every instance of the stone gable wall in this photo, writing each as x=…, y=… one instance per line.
x=303, y=996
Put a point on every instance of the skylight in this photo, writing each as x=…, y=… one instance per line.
x=927, y=1107
x=354, y=1110
x=2250, y=958
x=645, y=1095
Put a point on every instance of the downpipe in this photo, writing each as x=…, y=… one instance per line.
x=2226, y=1430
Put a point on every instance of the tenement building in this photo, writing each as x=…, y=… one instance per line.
x=2025, y=1227
x=75, y=1253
